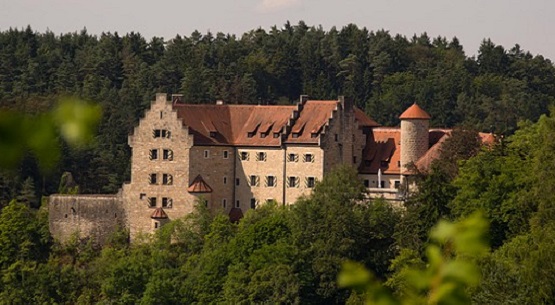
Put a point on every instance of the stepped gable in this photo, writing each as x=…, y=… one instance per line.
x=159, y=214
x=414, y=112
x=312, y=120
x=383, y=151
x=199, y=186
x=363, y=120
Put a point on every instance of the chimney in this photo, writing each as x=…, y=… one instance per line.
x=177, y=99
x=220, y=102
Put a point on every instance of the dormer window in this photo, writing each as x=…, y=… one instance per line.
x=295, y=135
x=384, y=164
x=250, y=134
x=213, y=134
x=313, y=135
x=276, y=134
x=263, y=134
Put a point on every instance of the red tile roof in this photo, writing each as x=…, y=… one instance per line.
x=383, y=150
x=199, y=186
x=363, y=120
x=159, y=214
x=312, y=120
x=415, y=112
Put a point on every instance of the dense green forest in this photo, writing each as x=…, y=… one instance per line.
x=382, y=73
x=287, y=255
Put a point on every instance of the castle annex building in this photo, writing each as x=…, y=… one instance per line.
x=236, y=157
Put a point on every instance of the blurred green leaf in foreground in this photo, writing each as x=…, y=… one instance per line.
x=451, y=268
x=72, y=119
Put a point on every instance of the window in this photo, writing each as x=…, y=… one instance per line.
x=271, y=181
x=263, y=134
x=314, y=135
x=213, y=134
x=382, y=184
x=310, y=182
x=152, y=179
x=226, y=154
x=292, y=181
x=354, y=159
x=161, y=115
x=225, y=180
x=308, y=158
x=152, y=202
x=244, y=156
x=224, y=203
x=384, y=163
x=161, y=133
x=366, y=183
x=336, y=137
x=293, y=157
x=142, y=196
x=237, y=181
x=167, y=154
x=156, y=224
x=250, y=134
x=276, y=134
x=167, y=179
x=206, y=154
x=153, y=154
x=254, y=180
x=295, y=135
x=397, y=184
x=253, y=203
x=261, y=156
x=237, y=204
x=167, y=202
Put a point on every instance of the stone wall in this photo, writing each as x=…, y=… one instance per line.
x=95, y=216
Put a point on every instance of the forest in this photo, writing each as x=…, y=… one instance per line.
x=204, y=258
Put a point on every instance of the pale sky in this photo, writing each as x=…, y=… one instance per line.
x=528, y=23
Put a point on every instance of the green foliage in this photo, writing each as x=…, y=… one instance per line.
x=451, y=268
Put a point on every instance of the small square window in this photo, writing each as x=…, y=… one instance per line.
x=263, y=134
x=308, y=158
x=310, y=182
x=271, y=181
x=397, y=184
x=167, y=179
x=152, y=179
x=293, y=157
x=167, y=202
x=261, y=156
x=167, y=154
x=226, y=154
x=153, y=154
x=254, y=180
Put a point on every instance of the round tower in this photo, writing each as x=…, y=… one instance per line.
x=415, y=124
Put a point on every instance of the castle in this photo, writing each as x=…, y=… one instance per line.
x=236, y=157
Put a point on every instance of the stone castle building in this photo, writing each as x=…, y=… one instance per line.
x=236, y=157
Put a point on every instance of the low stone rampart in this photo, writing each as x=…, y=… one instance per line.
x=88, y=216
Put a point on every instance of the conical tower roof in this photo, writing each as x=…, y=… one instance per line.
x=159, y=214
x=199, y=186
x=414, y=112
